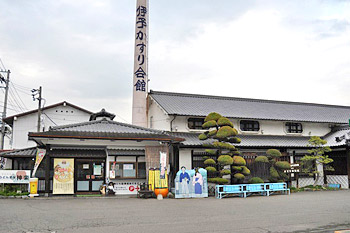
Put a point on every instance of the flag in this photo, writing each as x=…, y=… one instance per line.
x=40, y=153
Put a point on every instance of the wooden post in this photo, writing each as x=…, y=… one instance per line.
x=47, y=171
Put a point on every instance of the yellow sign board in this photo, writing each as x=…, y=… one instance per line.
x=63, y=178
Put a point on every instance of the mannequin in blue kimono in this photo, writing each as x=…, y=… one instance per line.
x=198, y=183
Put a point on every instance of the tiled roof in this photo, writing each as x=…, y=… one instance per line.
x=104, y=129
x=27, y=152
x=337, y=133
x=191, y=139
x=242, y=108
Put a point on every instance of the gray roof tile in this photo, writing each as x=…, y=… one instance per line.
x=26, y=152
x=242, y=108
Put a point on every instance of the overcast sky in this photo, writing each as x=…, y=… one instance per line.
x=81, y=51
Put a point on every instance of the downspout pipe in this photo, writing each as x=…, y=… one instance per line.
x=171, y=123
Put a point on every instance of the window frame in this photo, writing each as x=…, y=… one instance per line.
x=246, y=129
x=195, y=120
x=289, y=125
x=127, y=177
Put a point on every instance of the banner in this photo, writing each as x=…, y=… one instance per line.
x=14, y=176
x=63, y=179
x=163, y=164
x=191, y=183
x=40, y=153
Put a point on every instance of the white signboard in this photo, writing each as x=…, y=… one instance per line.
x=14, y=176
x=126, y=188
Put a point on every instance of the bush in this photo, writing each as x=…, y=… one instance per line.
x=210, y=169
x=283, y=165
x=273, y=153
x=239, y=161
x=223, y=121
x=235, y=140
x=209, y=162
x=205, y=157
x=273, y=173
x=245, y=171
x=209, y=124
x=225, y=160
x=213, y=116
x=212, y=152
x=223, y=145
x=255, y=180
x=261, y=159
x=203, y=136
x=238, y=176
x=218, y=180
x=237, y=168
x=212, y=133
x=225, y=172
x=225, y=131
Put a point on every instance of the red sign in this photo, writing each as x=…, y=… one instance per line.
x=131, y=188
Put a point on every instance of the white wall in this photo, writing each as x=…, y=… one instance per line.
x=185, y=158
x=157, y=118
x=60, y=115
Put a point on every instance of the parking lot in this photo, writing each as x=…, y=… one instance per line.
x=323, y=211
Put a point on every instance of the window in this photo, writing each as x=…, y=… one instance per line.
x=292, y=127
x=195, y=123
x=249, y=125
x=128, y=169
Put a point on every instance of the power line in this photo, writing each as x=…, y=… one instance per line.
x=19, y=97
x=2, y=64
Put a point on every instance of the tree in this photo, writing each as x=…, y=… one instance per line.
x=222, y=136
x=316, y=161
x=276, y=167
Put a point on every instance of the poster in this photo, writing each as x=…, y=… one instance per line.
x=14, y=176
x=2, y=163
x=97, y=170
x=126, y=188
x=191, y=183
x=63, y=180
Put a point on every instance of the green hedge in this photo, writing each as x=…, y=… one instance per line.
x=213, y=116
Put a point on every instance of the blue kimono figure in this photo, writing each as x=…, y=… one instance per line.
x=184, y=180
x=198, y=183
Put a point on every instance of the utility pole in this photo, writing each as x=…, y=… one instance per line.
x=34, y=93
x=7, y=82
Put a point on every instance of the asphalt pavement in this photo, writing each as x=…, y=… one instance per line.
x=322, y=211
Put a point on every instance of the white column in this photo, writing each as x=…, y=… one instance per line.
x=140, y=76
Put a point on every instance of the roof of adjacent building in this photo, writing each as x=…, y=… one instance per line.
x=27, y=152
x=338, y=136
x=104, y=129
x=191, y=140
x=9, y=120
x=244, y=108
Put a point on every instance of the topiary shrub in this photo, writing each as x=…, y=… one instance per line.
x=239, y=161
x=225, y=131
x=210, y=169
x=209, y=162
x=273, y=153
x=245, y=171
x=223, y=136
x=255, y=180
x=209, y=124
x=212, y=152
x=225, y=172
x=203, y=136
x=237, y=168
x=225, y=160
x=273, y=173
x=283, y=165
x=212, y=133
x=238, y=176
x=218, y=180
x=223, y=121
x=213, y=116
x=235, y=140
x=261, y=159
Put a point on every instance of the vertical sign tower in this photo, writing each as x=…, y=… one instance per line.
x=140, y=79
